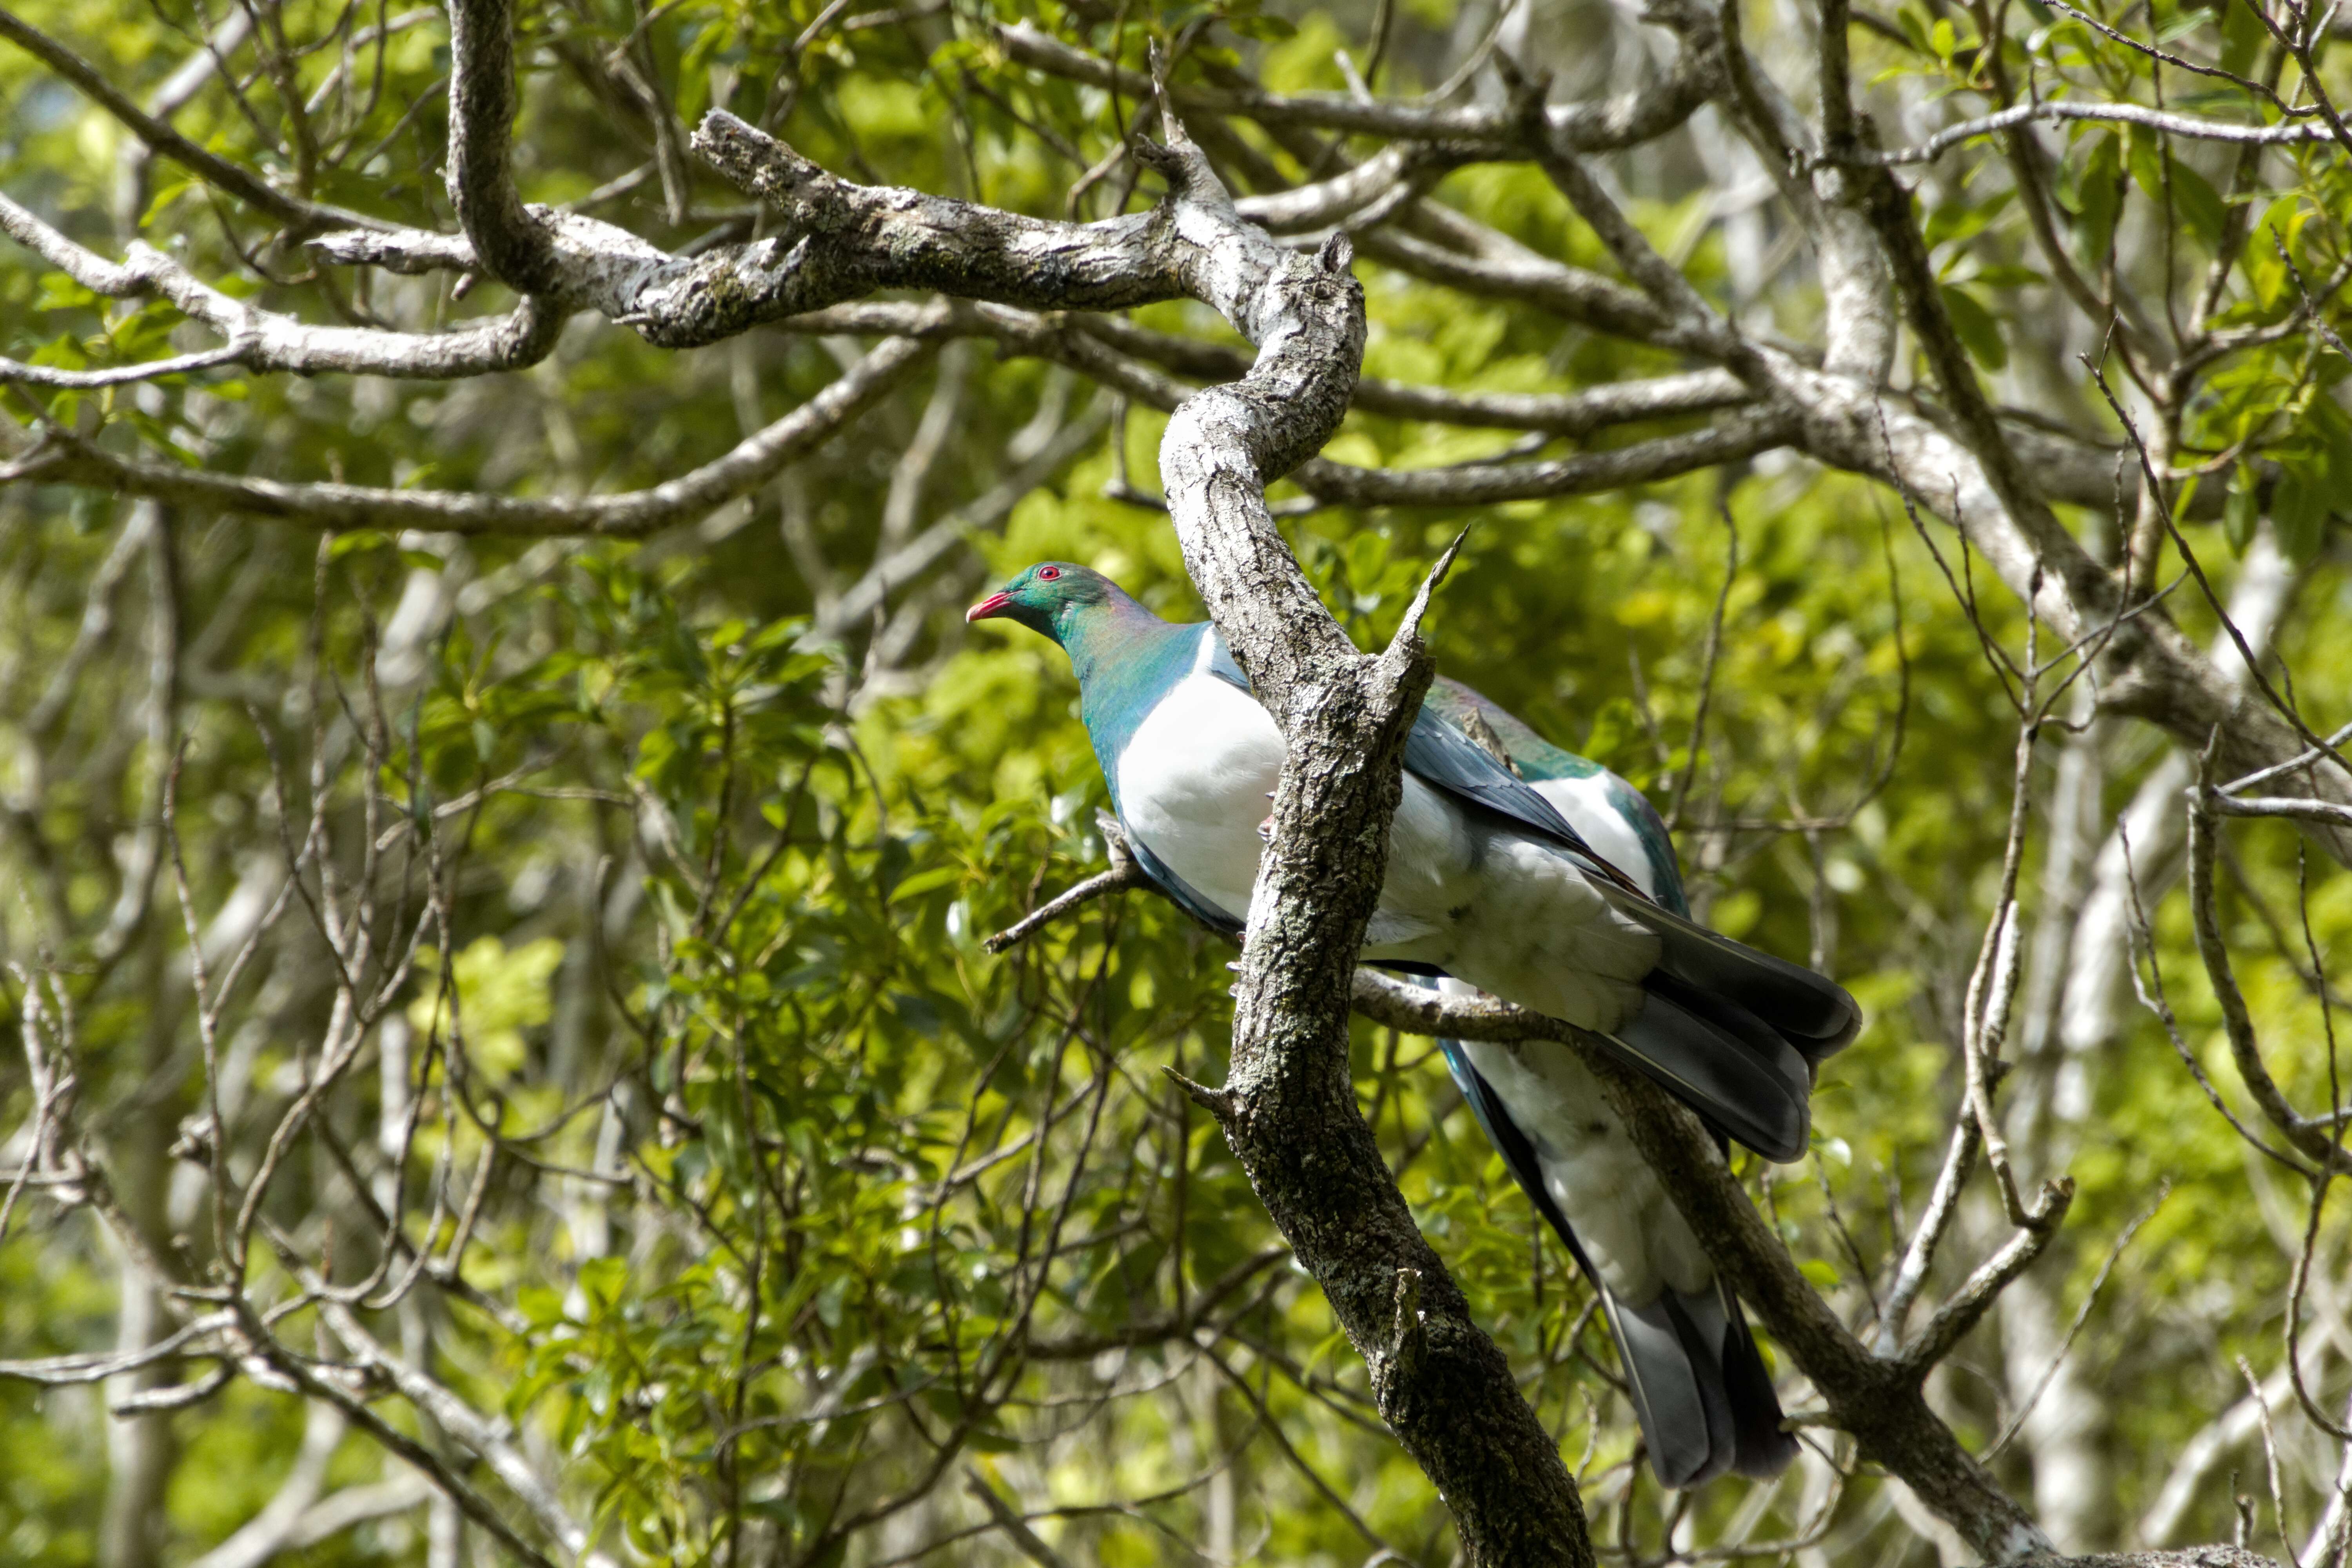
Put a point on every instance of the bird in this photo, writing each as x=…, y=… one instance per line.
x=1498, y=882
x=1700, y=1390
x=1486, y=881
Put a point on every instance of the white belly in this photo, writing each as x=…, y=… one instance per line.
x=1612, y=1199
x=1196, y=779
x=1506, y=914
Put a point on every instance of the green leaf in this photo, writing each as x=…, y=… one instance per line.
x=2299, y=512
x=2242, y=35
x=1271, y=30
x=356, y=542
x=2007, y=275
x=1965, y=220
x=2199, y=204
x=2100, y=201
x=2280, y=223
x=2181, y=26
x=2240, y=512
x=2175, y=186
x=2326, y=420
x=1979, y=332
x=602, y=1279
x=60, y=292
x=924, y=881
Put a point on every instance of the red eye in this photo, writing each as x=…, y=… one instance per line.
x=1049, y=573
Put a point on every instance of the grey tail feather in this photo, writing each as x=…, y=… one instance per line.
x=1700, y=1390
x=1814, y=1014
x=1678, y=1394
x=1728, y=1017
x=1744, y=1080
x=1763, y=1449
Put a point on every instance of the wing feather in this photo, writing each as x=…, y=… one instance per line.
x=1443, y=757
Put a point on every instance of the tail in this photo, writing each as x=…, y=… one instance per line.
x=1735, y=1034
x=1810, y=1013
x=1700, y=1389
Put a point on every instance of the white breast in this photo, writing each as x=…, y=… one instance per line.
x=1509, y=914
x=1195, y=781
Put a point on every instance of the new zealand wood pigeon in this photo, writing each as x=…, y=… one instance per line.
x=1511, y=885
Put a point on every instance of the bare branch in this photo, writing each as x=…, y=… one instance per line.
x=1645, y=462
x=1877, y=1399
x=1123, y=874
x=484, y=1437
x=2306, y=1136
x=1953, y=1320
x=1573, y=414
x=2289, y=133
x=1626, y=120
x=266, y=340
x=1919, y=1252
x=509, y=245
x=635, y=514
x=1016, y=1530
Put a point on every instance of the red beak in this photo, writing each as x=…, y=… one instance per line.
x=987, y=608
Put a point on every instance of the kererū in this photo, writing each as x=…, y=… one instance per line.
x=1699, y=1385
x=1486, y=881
x=1499, y=883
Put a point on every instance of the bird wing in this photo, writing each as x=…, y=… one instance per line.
x=1815, y=1015
x=1445, y=759
x=1741, y=1077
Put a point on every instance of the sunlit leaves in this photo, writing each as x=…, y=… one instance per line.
x=2099, y=195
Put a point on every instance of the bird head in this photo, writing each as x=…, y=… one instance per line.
x=1046, y=597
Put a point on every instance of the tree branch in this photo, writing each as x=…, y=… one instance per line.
x=1475, y=132
x=511, y=246
x=631, y=515
x=266, y=340
x=233, y=178
x=2286, y=133
x=1879, y=1399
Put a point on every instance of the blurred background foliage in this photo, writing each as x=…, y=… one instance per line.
x=787, y=1220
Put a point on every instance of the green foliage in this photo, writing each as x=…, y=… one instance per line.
x=775, y=1200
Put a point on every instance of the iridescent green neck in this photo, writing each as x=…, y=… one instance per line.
x=1126, y=660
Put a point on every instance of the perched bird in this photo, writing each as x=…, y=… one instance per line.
x=1486, y=881
x=1700, y=1388
x=1499, y=883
